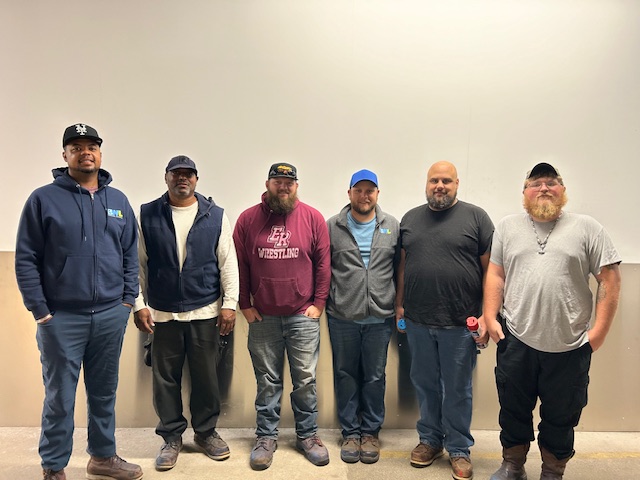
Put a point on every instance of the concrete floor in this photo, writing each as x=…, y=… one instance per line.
x=600, y=456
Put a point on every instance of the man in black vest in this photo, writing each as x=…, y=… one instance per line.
x=188, y=265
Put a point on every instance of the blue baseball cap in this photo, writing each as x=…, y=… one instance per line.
x=361, y=175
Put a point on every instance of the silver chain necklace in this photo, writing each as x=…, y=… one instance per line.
x=542, y=243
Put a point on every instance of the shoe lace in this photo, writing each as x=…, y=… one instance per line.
x=311, y=441
x=262, y=443
x=368, y=439
x=169, y=446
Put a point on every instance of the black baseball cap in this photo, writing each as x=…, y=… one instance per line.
x=80, y=130
x=181, y=161
x=542, y=169
x=283, y=170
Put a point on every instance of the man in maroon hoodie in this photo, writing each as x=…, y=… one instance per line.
x=285, y=266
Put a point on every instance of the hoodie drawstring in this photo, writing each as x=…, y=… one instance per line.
x=80, y=203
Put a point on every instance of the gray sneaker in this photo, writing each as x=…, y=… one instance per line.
x=262, y=453
x=350, y=450
x=213, y=446
x=314, y=450
x=168, y=455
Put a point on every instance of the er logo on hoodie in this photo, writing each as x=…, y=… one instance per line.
x=279, y=236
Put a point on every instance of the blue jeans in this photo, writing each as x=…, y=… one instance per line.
x=299, y=336
x=442, y=363
x=66, y=342
x=359, y=362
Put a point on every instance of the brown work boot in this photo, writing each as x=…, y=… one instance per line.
x=213, y=446
x=424, y=455
x=513, y=460
x=350, y=450
x=262, y=453
x=168, y=455
x=114, y=468
x=461, y=468
x=552, y=468
x=369, y=449
x=49, y=474
x=314, y=450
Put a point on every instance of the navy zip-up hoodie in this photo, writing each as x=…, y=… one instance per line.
x=170, y=289
x=76, y=251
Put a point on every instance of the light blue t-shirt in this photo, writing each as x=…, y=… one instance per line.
x=363, y=233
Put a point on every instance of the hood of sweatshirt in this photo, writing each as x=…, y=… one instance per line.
x=62, y=178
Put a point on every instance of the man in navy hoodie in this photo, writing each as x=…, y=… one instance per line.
x=285, y=270
x=77, y=270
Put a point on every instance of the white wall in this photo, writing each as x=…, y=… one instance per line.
x=332, y=86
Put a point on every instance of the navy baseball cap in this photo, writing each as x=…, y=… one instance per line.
x=361, y=175
x=80, y=130
x=181, y=161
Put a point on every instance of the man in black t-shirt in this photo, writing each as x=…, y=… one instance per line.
x=445, y=253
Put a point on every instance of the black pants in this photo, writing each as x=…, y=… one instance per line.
x=173, y=342
x=560, y=380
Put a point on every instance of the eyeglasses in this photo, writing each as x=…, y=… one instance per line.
x=538, y=185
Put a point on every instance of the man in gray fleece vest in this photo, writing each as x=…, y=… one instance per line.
x=360, y=310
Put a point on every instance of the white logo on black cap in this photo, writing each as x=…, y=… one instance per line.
x=81, y=129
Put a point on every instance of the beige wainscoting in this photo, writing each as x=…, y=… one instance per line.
x=613, y=394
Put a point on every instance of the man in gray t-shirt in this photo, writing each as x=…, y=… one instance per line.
x=537, y=308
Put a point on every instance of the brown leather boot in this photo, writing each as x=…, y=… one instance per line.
x=552, y=468
x=114, y=468
x=49, y=474
x=512, y=467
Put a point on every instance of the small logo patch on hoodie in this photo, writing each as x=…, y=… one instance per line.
x=114, y=213
x=386, y=231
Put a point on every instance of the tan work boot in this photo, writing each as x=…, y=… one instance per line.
x=461, y=468
x=114, y=468
x=369, y=449
x=424, y=455
x=552, y=468
x=512, y=467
